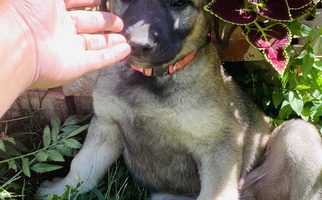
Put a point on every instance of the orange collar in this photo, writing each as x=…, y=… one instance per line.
x=150, y=71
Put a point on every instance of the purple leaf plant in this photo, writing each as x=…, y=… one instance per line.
x=262, y=22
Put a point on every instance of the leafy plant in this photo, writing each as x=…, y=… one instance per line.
x=58, y=140
x=24, y=156
x=56, y=145
x=298, y=92
x=264, y=23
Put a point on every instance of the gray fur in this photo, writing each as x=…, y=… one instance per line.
x=292, y=169
x=192, y=134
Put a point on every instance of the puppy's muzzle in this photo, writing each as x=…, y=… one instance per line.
x=142, y=39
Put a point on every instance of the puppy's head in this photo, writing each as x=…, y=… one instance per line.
x=161, y=32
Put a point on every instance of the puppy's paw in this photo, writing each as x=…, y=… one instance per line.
x=57, y=186
x=48, y=183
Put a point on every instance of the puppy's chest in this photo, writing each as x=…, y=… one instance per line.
x=167, y=110
x=161, y=124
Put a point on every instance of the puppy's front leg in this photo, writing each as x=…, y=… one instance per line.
x=101, y=148
x=219, y=173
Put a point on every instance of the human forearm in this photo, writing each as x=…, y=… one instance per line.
x=17, y=53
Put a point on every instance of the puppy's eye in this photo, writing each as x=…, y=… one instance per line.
x=178, y=3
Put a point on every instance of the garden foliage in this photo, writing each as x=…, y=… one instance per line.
x=298, y=92
x=22, y=164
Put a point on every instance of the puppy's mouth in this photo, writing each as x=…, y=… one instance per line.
x=164, y=69
x=152, y=58
x=142, y=61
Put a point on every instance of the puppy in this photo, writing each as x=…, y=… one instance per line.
x=184, y=128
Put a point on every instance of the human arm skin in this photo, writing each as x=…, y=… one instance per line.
x=40, y=45
x=15, y=59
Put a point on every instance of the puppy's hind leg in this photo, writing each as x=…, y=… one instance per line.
x=101, y=148
x=292, y=168
x=164, y=196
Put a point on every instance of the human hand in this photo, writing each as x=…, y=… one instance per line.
x=57, y=45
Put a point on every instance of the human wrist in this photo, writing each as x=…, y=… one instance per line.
x=18, y=58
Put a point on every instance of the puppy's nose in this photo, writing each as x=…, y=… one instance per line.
x=141, y=38
x=141, y=45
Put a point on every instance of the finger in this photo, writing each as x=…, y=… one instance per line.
x=105, y=57
x=100, y=41
x=93, y=21
x=79, y=3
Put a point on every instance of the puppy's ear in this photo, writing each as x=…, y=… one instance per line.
x=222, y=30
x=105, y=5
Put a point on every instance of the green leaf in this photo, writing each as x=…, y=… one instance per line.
x=72, y=143
x=306, y=113
x=301, y=29
x=320, y=128
x=44, y=167
x=277, y=97
x=98, y=194
x=285, y=110
x=55, y=124
x=46, y=136
x=68, y=129
x=78, y=131
x=317, y=47
x=71, y=120
x=41, y=156
x=9, y=139
x=25, y=167
x=19, y=146
x=11, y=151
x=12, y=165
x=308, y=59
x=316, y=110
x=296, y=102
x=76, y=119
x=64, y=150
x=55, y=155
x=2, y=146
